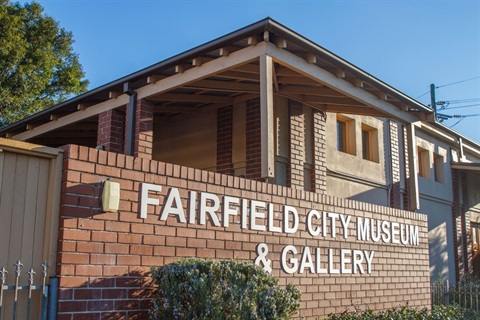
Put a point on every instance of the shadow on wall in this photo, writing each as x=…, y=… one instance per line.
x=437, y=247
x=126, y=296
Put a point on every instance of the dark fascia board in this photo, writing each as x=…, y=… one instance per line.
x=266, y=24
x=474, y=166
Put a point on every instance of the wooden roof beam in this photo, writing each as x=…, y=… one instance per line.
x=314, y=91
x=114, y=94
x=154, y=78
x=224, y=86
x=191, y=98
x=344, y=101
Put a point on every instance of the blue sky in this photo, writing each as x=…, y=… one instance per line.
x=407, y=44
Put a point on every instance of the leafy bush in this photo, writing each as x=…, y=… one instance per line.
x=220, y=289
x=453, y=312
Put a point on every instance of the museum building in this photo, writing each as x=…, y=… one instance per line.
x=259, y=145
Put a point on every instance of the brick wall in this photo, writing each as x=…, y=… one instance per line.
x=319, y=172
x=143, y=136
x=406, y=196
x=111, y=130
x=297, y=146
x=253, y=140
x=396, y=197
x=461, y=231
x=104, y=258
x=224, y=140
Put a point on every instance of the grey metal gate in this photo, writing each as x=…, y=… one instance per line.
x=48, y=292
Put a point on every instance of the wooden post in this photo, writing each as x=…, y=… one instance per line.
x=266, y=114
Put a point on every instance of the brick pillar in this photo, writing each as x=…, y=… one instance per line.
x=143, y=138
x=111, y=128
x=465, y=224
x=224, y=140
x=253, y=140
x=319, y=172
x=396, y=198
x=406, y=194
x=457, y=225
x=297, y=147
x=467, y=245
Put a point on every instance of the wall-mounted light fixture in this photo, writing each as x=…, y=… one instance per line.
x=110, y=196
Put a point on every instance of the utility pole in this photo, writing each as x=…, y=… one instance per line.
x=432, y=97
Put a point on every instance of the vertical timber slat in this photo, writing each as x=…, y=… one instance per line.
x=266, y=114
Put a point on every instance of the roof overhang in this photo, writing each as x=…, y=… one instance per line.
x=470, y=167
x=225, y=70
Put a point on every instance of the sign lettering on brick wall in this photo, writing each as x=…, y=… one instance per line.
x=261, y=216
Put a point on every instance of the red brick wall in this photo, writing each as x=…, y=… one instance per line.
x=319, y=172
x=297, y=146
x=224, y=140
x=111, y=130
x=253, y=140
x=143, y=137
x=104, y=258
x=461, y=230
x=396, y=198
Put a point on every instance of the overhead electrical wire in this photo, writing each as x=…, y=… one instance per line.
x=449, y=84
x=459, y=107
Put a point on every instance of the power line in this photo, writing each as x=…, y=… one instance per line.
x=463, y=100
x=449, y=84
x=462, y=117
x=459, y=107
x=422, y=94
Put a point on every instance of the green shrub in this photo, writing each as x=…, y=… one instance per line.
x=453, y=312
x=220, y=289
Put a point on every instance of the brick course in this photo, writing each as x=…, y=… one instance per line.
x=297, y=146
x=104, y=258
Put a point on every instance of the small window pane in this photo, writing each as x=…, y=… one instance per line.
x=341, y=136
x=366, y=154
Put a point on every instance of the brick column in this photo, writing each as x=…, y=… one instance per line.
x=253, y=140
x=467, y=243
x=111, y=130
x=395, y=194
x=406, y=199
x=224, y=140
x=319, y=172
x=297, y=146
x=143, y=139
x=457, y=225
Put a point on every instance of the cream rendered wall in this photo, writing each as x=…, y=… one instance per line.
x=436, y=200
x=187, y=140
x=349, y=175
x=428, y=187
x=440, y=239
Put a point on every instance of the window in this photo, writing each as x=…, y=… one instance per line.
x=341, y=136
x=423, y=163
x=346, y=135
x=369, y=143
x=438, y=167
